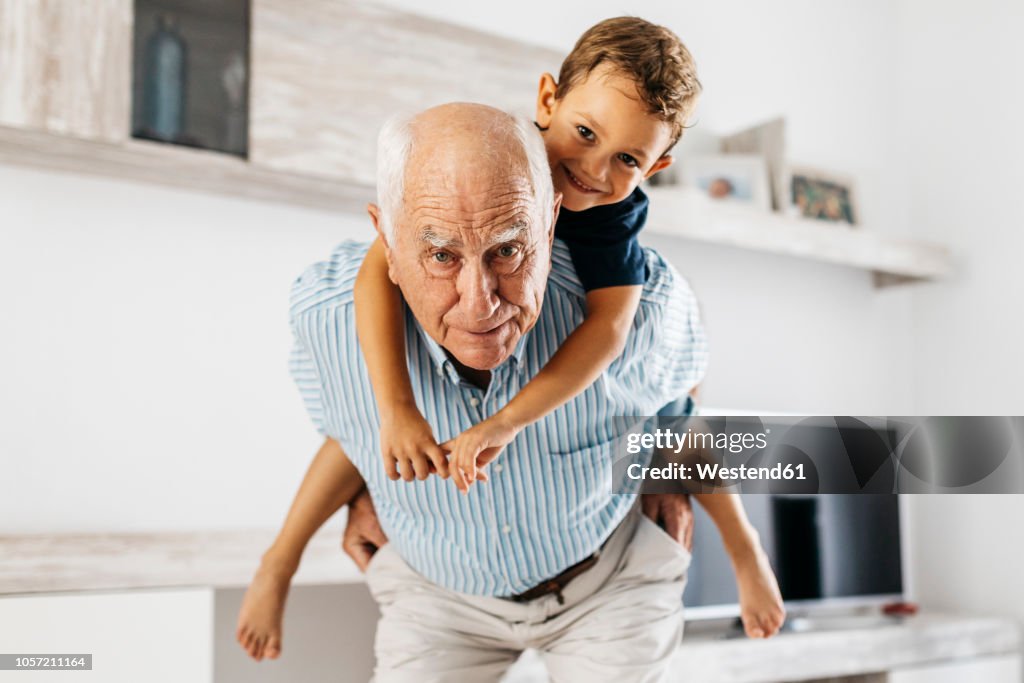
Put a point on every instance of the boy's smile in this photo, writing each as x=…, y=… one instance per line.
x=601, y=139
x=579, y=184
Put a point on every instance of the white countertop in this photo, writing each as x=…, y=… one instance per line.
x=925, y=638
x=221, y=559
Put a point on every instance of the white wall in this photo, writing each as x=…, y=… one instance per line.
x=962, y=149
x=145, y=341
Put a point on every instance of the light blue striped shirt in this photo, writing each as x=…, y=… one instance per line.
x=549, y=502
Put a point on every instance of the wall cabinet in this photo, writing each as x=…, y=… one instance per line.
x=66, y=66
x=327, y=73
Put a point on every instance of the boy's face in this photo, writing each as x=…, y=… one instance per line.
x=601, y=139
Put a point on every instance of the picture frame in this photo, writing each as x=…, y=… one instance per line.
x=767, y=140
x=733, y=178
x=819, y=194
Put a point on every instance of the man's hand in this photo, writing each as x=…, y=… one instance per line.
x=673, y=513
x=363, y=535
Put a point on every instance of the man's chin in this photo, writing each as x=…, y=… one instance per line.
x=479, y=354
x=482, y=359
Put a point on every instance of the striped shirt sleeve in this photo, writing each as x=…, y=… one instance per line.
x=674, y=349
x=306, y=378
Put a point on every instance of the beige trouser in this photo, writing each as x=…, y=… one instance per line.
x=622, y=619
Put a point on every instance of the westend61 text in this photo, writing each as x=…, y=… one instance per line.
x=714, y=472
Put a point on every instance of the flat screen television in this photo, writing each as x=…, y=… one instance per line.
x=828, y=550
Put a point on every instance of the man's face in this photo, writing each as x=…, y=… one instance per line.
x=471, y=255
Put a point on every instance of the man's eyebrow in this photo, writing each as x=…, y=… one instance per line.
x=510, y=234
x=438, y=241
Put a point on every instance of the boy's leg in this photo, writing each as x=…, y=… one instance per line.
x=427, y=634
x=629, y=627
x=331, y=481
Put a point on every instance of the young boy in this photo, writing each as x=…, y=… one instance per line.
x=620, y=104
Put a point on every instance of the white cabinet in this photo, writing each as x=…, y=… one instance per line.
x=157, y=636
x=1005, y=669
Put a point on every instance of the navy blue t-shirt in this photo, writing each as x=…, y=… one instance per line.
x=602, y=242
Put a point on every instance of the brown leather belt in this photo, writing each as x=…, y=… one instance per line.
x=556, y=583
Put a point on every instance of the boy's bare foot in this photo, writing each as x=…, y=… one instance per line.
x=761, y=606
x=259, y=620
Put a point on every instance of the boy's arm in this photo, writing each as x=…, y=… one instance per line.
x=581, y=358
x=331, y=482
x=579, y=361
x=381, y=330
x=405, y=435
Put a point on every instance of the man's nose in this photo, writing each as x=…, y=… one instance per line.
x=478, y=291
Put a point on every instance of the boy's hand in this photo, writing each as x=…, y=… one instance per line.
x=477, y=446
x=408, y=446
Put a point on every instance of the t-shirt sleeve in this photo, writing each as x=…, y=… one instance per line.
x=608, y=265
x=603, y=242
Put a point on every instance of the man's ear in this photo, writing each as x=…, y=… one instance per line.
x=546, y=100
x=660, y=165
x=554, y=219
x=375, y=218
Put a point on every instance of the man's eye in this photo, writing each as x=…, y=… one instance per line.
x=442, y=256
x=628, y=160
x=585, y=133
x=508, y=251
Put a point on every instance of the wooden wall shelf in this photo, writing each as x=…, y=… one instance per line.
x=181, y=167
x=689, y=214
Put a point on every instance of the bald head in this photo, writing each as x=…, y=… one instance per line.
x=461, y=144
x=467, y=214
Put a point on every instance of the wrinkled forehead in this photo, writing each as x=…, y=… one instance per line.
x=470, y=195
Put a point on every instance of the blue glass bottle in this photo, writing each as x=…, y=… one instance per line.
x=163, y=110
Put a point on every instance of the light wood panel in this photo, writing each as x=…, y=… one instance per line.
x=187, y=168
x=327, y=73
x=40, y=563
x=66, y=66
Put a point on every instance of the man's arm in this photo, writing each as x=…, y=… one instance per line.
x=331, y=482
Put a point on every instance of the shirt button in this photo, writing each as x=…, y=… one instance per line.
x=474, y=401
x=506, y=529
x=498, y=468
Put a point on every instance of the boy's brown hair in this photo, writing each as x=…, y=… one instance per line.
x=651, y=55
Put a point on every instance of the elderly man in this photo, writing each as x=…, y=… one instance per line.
x=543, y=555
